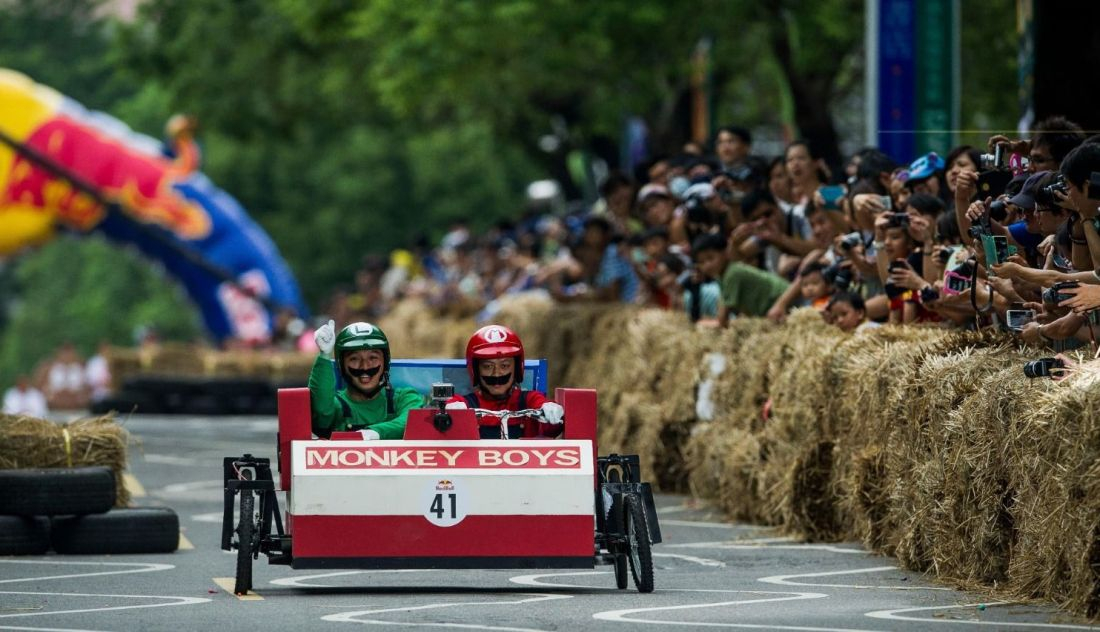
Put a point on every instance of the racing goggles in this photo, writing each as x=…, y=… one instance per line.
x=364, y=372
x=496, y=380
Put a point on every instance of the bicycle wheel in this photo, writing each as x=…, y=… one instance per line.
x=246, y=532
x=637, y=533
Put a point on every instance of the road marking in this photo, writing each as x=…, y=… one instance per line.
x=784, y=580
x=893, y=616
x=144, y=568
x=186, y=488
x=169, y=459
x=696, y=523
x=351, y=617
x=19, y=627
x=213, y=516
x=180, y=601
x=623, y=616
x=300, y=582
x=185, y=544
x=689, y=558
x=227, y=584
x=131, y=483
x=736, y=545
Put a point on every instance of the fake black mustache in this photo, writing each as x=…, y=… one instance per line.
x=364, y=372
x=498, y=380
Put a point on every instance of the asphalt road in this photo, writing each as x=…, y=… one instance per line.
x=708, y=574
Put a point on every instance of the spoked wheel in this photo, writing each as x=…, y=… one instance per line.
x=246, y=533
x=637, y=538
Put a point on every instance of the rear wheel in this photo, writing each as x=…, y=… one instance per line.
x=637, y=536
x=246, y=532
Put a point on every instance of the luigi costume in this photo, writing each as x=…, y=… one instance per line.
x=383, y=410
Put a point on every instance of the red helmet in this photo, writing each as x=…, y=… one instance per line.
x=493, y=341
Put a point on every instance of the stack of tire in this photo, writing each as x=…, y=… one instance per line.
x=71, y=510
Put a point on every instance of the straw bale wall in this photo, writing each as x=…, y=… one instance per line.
x=924, y=444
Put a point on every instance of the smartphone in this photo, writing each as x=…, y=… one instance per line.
x=1015, y=319
x=955, y=283
x=832, y=196
x=887, y=202
x=996, y=249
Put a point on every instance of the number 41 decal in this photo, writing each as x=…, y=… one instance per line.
x=444, y=503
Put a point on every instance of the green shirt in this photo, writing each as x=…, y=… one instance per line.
x=750, y=291
x=327, y=406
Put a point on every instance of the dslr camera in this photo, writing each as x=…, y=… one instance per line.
x=838, y=276
x=1043, y=367
x=1054, y=295
x=1045, y=195
x=849, y=241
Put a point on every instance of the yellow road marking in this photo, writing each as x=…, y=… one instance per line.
x=227, y=585
x=131, y=483
x=185, y=544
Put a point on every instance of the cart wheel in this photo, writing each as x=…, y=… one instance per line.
x=637, y=534
x=622, y=580
x=246, y=533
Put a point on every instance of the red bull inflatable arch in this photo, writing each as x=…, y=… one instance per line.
x=66, y=169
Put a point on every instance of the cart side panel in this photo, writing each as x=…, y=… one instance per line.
x=294, y=425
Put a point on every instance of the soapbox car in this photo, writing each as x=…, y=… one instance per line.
x=442, y=498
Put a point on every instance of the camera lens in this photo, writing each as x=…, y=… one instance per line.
x=998, y=210
x=1041, y=367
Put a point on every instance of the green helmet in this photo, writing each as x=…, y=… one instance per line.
x=362, y=335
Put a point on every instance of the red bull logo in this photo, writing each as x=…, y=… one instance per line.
x=142, y=183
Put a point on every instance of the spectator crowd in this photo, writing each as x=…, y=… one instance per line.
x=1003, y=235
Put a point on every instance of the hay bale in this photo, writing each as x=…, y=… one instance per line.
x=1056, y=476
x=27, y=442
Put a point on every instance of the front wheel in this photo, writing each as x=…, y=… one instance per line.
x=246, y=532
x=637, y=535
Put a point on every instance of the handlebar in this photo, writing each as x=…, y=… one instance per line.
x=505, y=415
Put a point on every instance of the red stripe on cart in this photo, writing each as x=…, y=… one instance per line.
x=414, y=536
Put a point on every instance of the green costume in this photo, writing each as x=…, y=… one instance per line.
x=384, y=412
x=335, y=411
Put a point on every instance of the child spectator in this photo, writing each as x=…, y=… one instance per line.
x=816, y=291
x=847, y=311
x=24, y=399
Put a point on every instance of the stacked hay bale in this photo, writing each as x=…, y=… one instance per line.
x=1055, y=460
x=28, y=442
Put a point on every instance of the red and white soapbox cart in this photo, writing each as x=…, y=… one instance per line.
x=441, y=498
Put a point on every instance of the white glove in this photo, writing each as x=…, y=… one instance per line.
x=325, y=336
x=553, y=413
x=370, y=435
x=457, y=406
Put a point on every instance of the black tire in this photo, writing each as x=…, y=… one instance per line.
x=54, y=492
x=21, y=535
x=246, y=531
x=135, y=530
x=637, y=532
x=622, y=578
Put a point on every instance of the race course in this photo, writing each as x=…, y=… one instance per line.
x=708, y=574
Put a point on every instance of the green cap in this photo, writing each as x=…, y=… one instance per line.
x=357, y=336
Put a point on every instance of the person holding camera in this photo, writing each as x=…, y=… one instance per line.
x=368, y=403
x=778, y=239
x=746, y=290
x=494, y=361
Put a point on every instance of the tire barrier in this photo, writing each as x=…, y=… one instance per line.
x=27, y=442
x=926, y=444
x=133, y=530
x=82, y=490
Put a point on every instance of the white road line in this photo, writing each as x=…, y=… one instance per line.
x=16, y=627
x=300, y=582
x=893, y=616
x=351, y=617
x=624, y=616
x=736, y=545
x=169, y=459
x=180, y=601
x=533, y=580
x=672, y=509
x=696, y=523
x=784, y=580
x=213, y=516
x=145, y=568
x=689, y=558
